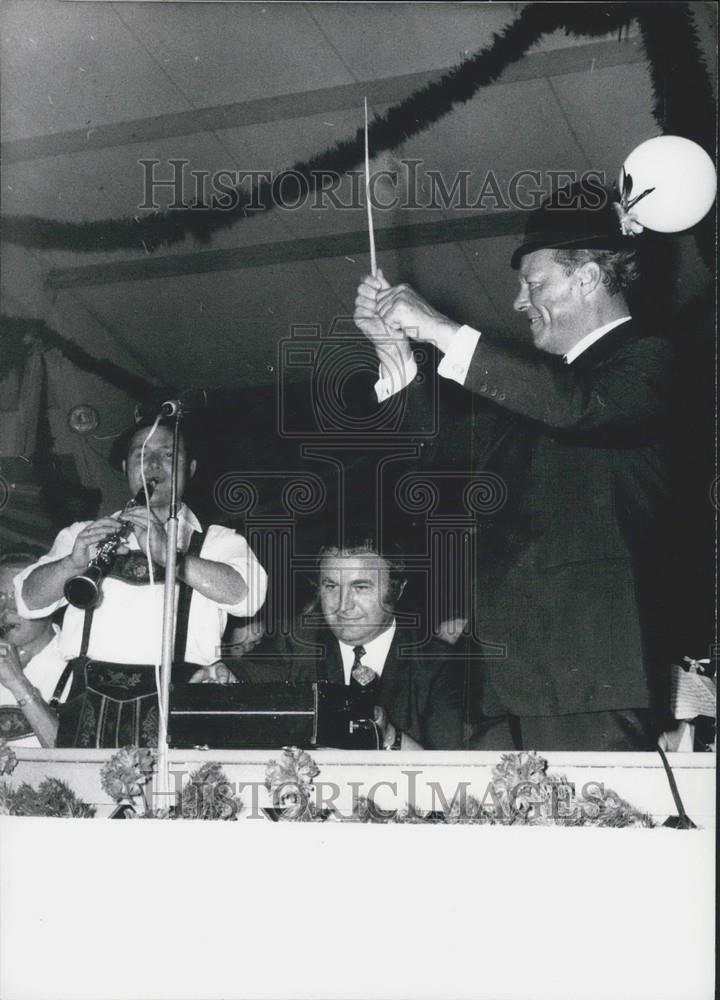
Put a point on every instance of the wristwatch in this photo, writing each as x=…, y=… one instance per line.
x=30, y=695
x=395, y=745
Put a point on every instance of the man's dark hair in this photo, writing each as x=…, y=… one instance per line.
x=121, y=445
x=361, y=546
x=619, y=268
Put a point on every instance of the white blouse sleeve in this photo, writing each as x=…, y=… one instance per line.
x=226, y=546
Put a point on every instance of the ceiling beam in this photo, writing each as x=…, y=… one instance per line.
x=475, y=227
x=285, y=107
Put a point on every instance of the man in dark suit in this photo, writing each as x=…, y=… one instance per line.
x=351, y=635
x=565, y=569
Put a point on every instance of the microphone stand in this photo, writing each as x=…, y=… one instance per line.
x=162, y=785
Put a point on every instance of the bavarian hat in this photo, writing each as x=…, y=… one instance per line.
x=579, y=216
x=145, y=415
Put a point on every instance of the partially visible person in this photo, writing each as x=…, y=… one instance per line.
x=115, y=648
x=244, y=638
x=30, y=665
x=351, y=636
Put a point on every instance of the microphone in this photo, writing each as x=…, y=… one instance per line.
x=188, y=401
x=217, y=397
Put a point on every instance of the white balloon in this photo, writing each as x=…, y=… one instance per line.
x=683, y=178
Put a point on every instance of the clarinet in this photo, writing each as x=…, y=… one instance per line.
x=83, y=591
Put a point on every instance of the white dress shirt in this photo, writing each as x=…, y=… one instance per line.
x=392, y=380
x=590, y=338
x=456, y=362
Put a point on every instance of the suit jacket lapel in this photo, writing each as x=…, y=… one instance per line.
x=395, y=682
x=606, y=346
x=332, y=666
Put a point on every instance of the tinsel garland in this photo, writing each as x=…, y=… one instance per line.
x=683, y=98
x=683, y=105
x=19, y=334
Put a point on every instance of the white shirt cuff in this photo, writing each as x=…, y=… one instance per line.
x=394, y=376
x=456, y=362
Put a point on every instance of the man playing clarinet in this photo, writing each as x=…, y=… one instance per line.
x=114, y=648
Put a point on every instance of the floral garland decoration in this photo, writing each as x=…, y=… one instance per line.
x=209, y=795
x=125, y=778
x=521, y=790
x=528, y=795
x=521, y=793
x=290, y=783
x=53, y=797
x=667, y=31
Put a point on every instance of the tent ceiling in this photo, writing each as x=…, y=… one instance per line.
x=88, y=89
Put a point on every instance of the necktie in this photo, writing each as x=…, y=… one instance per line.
x=362, y=677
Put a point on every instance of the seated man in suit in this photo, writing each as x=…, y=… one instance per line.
x=350, y=635
x=113, y=647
